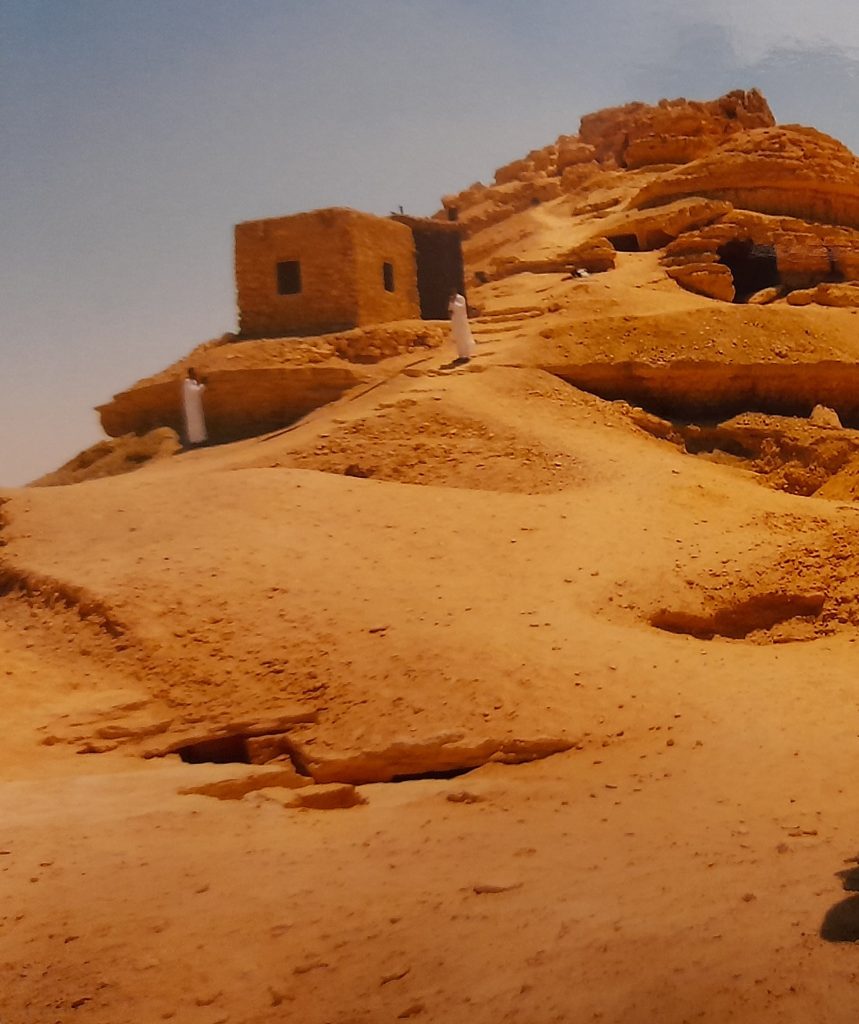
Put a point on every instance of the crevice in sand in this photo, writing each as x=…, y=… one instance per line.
x=450, y=773
x=705, y=391
x=738, y=619
x=443, y=757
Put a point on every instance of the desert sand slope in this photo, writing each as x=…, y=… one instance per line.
x=676, y=863
x=523, y=691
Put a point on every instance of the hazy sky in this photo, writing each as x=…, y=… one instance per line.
x=135, y=133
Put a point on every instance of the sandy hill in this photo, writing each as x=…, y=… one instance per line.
x=523, y=691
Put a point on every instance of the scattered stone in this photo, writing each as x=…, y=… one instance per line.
x=238, y=786
x=489, y=888
x=326, y=797
x=395, y=976
x=823, y=416
x=208, y=999
x=763, y=298
x=310, y=965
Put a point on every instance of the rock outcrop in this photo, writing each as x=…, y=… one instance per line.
x=695, y=178
x=595, y=256
x=450, y=752
x=631, y=137
x=645, y=230
x=845, y=296
x=673, y=131
x=744, y=253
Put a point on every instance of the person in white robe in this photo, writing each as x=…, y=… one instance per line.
x=192, y=409
x=460, y=329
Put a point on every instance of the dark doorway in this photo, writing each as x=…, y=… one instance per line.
x=753, y=266
x=438, y=252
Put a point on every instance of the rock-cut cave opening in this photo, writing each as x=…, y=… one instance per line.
x=624, y=243
x=753, y=266
x=219, y=750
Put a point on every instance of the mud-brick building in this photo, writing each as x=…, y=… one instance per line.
x=334, y=269
x=327, y=270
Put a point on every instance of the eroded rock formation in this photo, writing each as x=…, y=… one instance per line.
x=792, y=171
x=744, y=253
x=673, y=131
x=630, y=137
x=740, y=205
x=595, y=256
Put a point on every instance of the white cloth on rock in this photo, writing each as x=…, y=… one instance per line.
x=460, y=329
x=192, y=408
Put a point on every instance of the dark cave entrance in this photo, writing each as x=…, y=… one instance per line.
x=753, y=266
x=221, y=750
x=624, y=243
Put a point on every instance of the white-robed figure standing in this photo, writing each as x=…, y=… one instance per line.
x=459, y=327
x=192, y=408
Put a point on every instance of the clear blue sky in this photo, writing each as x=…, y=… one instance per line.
x=135, y=133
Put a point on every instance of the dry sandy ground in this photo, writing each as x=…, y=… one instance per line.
x=486, y=578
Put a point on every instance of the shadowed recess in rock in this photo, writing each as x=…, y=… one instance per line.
x=841, y=923
x=753, y=266
x=708, y=391
x=849, y=879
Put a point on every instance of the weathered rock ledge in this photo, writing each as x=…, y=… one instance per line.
x=239, y=403
x=445, y=753
x=691, y=389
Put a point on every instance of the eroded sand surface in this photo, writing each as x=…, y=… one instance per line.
x=675, y=863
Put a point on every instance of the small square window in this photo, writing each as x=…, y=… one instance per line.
x=388, y=276
x=289, y=277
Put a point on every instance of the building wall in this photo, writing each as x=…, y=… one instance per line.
x=376, y=241
x=341, y=253
x=322, y=243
